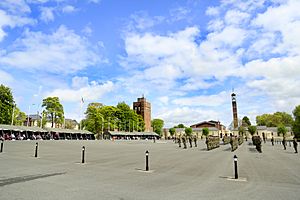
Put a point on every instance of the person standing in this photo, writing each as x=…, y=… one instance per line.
x=184, y=142
x=179, y=142
x=284, y=143
x=272, y=141
x=195, y=140
x=295, y=144
x=190, y=141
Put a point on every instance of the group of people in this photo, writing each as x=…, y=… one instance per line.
x=184, y=139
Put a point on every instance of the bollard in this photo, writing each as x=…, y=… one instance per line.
x=83, y=152
x=235, y=167
x=36, y=150
x=1, y=150
x=147, y=160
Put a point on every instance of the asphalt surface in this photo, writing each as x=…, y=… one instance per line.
x=116, y=170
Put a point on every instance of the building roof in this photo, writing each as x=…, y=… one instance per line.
x=71, y=131
x=22, y=128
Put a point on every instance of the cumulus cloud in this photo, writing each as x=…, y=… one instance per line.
x=5, y=77
x=63, y=51
x=47, y=14
x=82, y=88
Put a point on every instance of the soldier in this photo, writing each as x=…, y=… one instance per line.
x=190, y=141
x=295, y=144
x=284, y=143
x=184, y=142
x=272, y=140
x=179, y=142
x=258, y=145
x=195, y=140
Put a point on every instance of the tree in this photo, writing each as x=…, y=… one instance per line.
x=157, y=125
x=281, y=129
x=252, y=130
x=94, y=119
x=205, y=132
x=246, y=122
x=188, y=131
x=274, y=120
x=296, y=124
x=6, y=105
x=172, y=131
x=54, y=110
x=179, y=126
x=19, y=117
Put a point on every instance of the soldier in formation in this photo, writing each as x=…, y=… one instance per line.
x=195, y=141
x=184, y=142
x=295, y=144
x=284, y=143
x=179, y=141
x=190, y=141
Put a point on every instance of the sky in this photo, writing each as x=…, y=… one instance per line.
x=185, y=56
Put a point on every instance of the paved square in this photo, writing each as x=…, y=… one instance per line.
x=114, y=170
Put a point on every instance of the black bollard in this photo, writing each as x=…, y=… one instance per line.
x=1, y=150
x=36, y=150
x=83, y=152
x=147, y=161
x=235, y=167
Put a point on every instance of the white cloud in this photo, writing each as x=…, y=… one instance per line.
x=81, y=88
x=16, y=7
x=47, y=14
x=12, y=21
x=204, y=100
x=185, y=115
x=63, y=51
x=5, y=77
x=68, y=9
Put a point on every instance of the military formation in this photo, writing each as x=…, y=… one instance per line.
x=213, y=142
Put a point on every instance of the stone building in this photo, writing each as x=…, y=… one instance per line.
x=143, y=108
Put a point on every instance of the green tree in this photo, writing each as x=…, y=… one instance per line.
x=281, y=129
x=157, y=125
x=275, y=119
x=296, y=124
x=6, y=105
x=54, y=110
x=94, y=121
x=188, y=131
x=246, y=122
x=179, y=126
x=205, y=132
x=172, y=131
x=19, y=117
x=252, y=130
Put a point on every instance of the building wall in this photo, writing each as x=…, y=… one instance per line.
x=143, y=108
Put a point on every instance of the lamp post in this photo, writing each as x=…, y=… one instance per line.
x=13, y=113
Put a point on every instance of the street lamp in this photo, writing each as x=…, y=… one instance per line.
x=13, y=113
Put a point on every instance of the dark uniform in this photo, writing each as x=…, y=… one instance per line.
x=295, y=144
x=195, y=140
x=179, y=142
x=284, y=143
x=184, y=142
x=258, y=145
x=272, y=140
x=190, y=141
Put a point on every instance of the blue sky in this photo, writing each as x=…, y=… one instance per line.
x=184, y=56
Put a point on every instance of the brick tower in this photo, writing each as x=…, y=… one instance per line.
x=234, y=111
x=143, y=108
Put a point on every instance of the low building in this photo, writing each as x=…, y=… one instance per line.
x=195, y=131
x=121, y=135
x=211, y=124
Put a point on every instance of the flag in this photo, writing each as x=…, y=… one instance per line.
x=82, y=101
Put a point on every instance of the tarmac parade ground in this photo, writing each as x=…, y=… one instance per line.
x=115, y=170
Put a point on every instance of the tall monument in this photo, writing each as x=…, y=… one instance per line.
x=234, y=111
x=143, y=108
